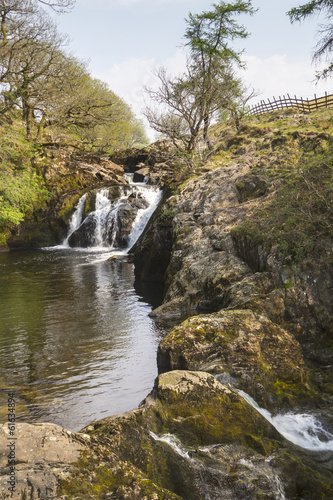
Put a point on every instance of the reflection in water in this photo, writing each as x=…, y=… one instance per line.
x=76, y=342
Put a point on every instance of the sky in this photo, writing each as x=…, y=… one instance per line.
x=124, y=41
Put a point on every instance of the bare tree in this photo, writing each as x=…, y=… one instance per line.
x=29, y=56
x=191, y=102
x=208, y=83
x=59, y=6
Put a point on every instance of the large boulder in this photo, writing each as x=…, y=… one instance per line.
x=248, y=350
x=193, y=438
x=42, y=454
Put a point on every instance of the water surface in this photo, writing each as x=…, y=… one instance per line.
x=76, y=342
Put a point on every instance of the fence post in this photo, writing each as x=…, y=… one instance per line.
x=304, y=105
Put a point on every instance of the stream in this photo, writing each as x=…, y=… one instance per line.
x=76, y=341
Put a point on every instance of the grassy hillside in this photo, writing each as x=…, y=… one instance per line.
x=293, y=154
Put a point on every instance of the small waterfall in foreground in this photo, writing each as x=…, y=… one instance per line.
x=301, y=429
x=113, y=225
x=244, y=466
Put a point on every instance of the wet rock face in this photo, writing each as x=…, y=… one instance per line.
x=203, y=263
x=192, y=438
x=83, y=237
x=151, y=254
x=116, y=228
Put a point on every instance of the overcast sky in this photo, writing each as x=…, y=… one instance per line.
x=124, y=40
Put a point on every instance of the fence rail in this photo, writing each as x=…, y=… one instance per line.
x=299, y=104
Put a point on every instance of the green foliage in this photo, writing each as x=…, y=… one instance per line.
x=210, y=32
x=114, y=126
x=19, y=191
x=20, y=187
x=53, y=88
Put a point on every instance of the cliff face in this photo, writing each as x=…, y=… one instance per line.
x=227, y=252
x=245, y=250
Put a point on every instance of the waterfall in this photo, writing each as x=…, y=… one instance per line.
x=301, y=429
x=76, y=218
x=113, y=225
x=153, y=197
x=173, y=442
x=273, y=480
x=105, y=218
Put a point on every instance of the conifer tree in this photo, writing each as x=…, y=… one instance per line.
x=209, y=82
x=324, y=46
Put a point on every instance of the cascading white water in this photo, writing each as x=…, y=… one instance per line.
x=153, y=196
x=174, y=442
x=76, y=218
x=301, y=429
x=104, y=221
x=105, y=218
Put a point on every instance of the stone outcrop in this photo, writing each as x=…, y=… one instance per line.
x=208, y=267
x=247, y=350
x=43, y=455
x=193, y=438
x=159, y=162
x=204, y=264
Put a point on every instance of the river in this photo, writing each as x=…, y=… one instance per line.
x=76, y=341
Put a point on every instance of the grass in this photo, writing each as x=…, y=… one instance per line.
x=297, y=218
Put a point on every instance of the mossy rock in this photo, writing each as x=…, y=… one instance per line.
x=265, y=360
x=191, y=438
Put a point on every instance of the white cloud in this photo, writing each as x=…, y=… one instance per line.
x=129, y=78
x=278, y=75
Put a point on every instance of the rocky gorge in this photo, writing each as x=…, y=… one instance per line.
x=250, y=312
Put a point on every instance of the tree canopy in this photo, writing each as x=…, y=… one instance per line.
x=50, y=86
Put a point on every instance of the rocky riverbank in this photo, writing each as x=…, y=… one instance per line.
x=258, y=304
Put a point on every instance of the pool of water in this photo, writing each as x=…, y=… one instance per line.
x=76, y=341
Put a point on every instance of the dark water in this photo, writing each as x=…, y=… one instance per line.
x=76, y=342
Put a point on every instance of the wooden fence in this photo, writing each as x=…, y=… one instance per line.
x=298, y=104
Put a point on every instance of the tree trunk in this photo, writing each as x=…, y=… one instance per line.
x=40, y=129
x=205, y=133
x=27, y=116
x=193, y=139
